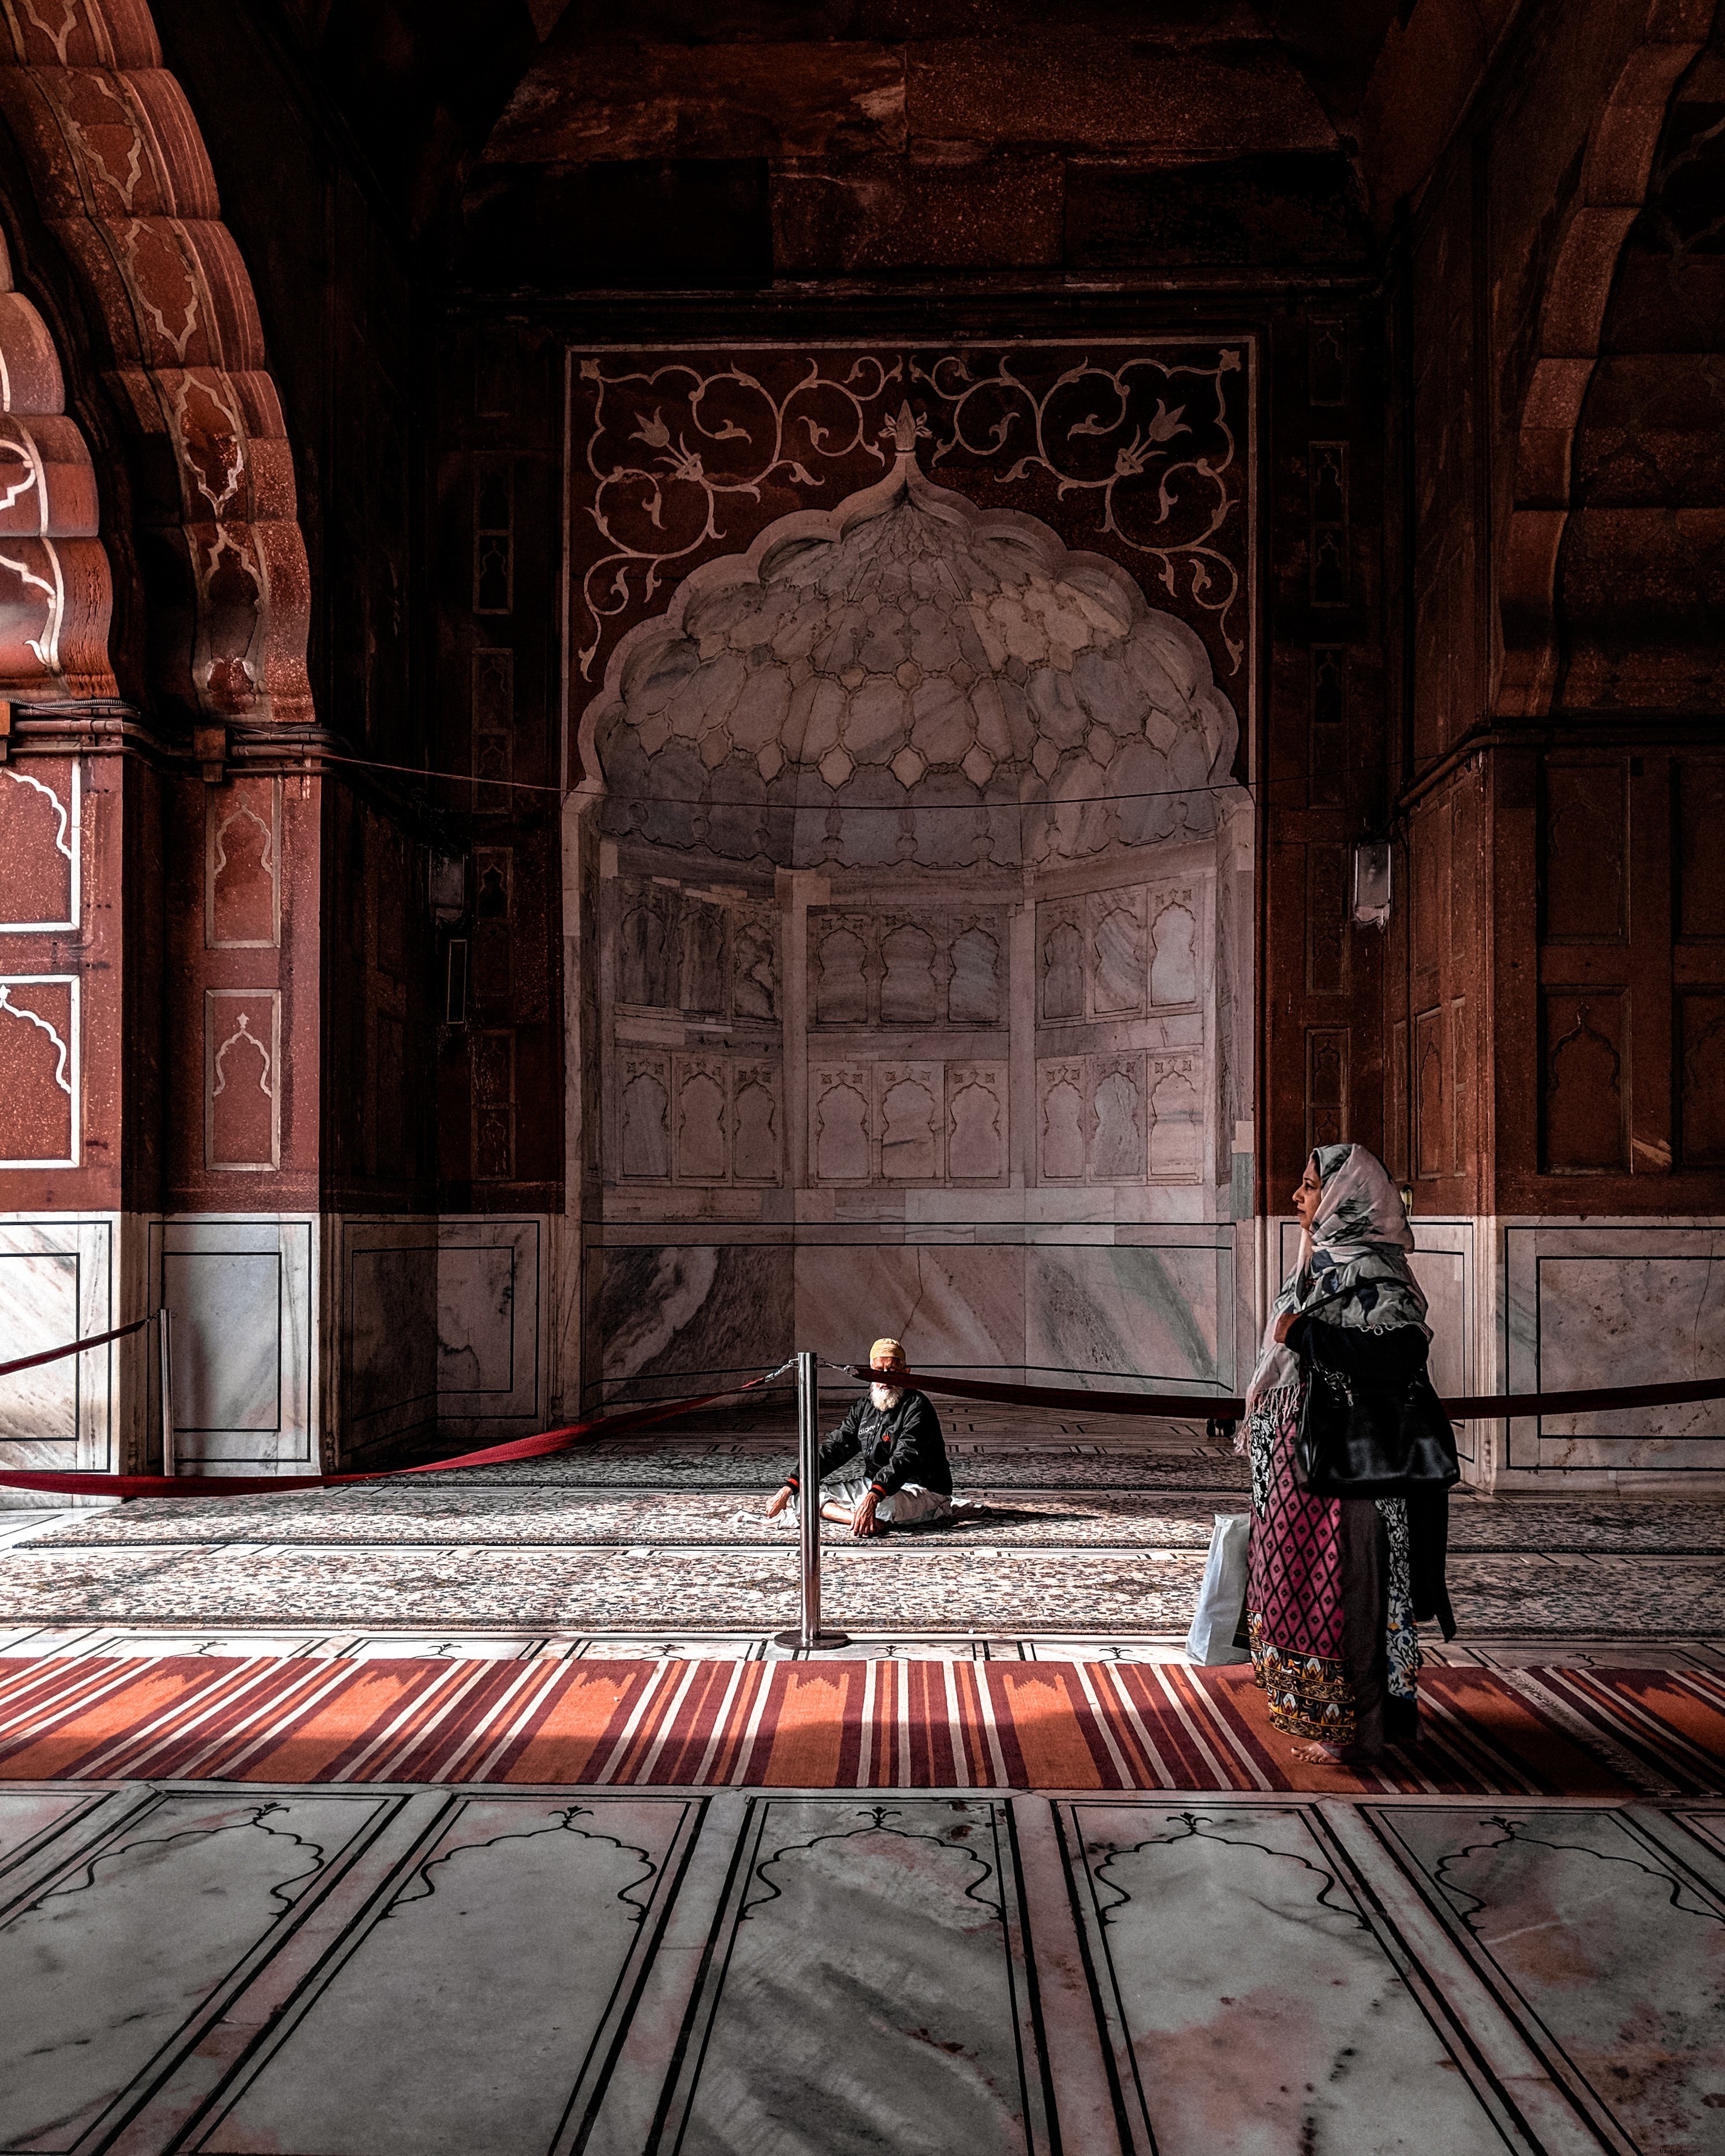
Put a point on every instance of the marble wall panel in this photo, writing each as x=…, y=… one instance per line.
x=1227, y=1935
x=909, y=1121
x=110, y=1970
x=242, y=1289
x=1609, y=1305
x=492, y=1325
x=389, y=1278
x=954, y=1305
x=1161, y=1309
x=1175, y=962
x=38, y=1304
x=840, y=1138
x=682, y=1309
x=976, y=1126
x=828, y=1895
x=57, y=1283
x=1611, y=1955
x=475, y=2010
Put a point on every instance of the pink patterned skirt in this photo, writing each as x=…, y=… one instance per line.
x=1294, y=1611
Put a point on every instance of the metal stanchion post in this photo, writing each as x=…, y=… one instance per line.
x=808, y=1637
x=164, y=1332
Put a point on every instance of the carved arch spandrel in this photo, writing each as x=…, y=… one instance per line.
x=1616, y=167
x=119, y=171
x=56, y=592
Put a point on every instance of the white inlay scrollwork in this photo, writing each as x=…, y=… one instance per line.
x=242, y=1032
x=266, y=860
x=33, y=477
x=46, y=648
x=61, y=38
x=62, y=837
x=11, y=1009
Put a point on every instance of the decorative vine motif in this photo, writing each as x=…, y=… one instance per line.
x=1160, y=478
x=694, y=473
x=1134, y=451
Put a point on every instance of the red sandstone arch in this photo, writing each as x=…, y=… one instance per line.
x=120, y=173
x=56, y=594
x=1616, y=170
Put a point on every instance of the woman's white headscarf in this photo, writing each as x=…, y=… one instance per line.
x=1352, y=1264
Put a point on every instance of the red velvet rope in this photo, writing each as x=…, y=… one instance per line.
x=79, y=1483
x=73, y=1347
x=1183, y=1406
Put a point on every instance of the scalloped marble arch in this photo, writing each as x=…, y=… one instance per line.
x=1013, y=699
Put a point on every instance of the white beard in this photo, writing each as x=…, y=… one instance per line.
x=886, y=1397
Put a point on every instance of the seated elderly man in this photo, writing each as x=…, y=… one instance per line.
x=895, y=1434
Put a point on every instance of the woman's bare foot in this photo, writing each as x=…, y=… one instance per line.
x=1330, y=1755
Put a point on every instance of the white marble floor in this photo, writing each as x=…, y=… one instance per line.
x=347, y=1971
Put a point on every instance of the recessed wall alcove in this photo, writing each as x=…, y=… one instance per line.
x=913, y=992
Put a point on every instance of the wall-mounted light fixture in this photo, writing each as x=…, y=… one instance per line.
x=446, y=885
x=1371, y=884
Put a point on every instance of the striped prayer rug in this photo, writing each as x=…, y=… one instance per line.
x=832, y=1725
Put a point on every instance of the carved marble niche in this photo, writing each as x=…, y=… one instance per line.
x=977, y=793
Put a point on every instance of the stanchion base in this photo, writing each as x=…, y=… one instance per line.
x=811, y=1646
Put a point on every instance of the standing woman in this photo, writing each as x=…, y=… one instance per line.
x=1334, y=1583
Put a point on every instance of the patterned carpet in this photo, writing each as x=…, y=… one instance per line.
x=833, y=1725
x=1085, y=1536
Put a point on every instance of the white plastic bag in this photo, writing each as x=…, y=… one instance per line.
x=1222, y=1597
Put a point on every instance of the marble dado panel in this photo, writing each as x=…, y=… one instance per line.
x=244, y=1292
x=674, y=1309
x=59, y=1281
x=934, y=967
x=1613, y=1303
x=493, y=1324
x=41, y=844
x=445, y=1328
x=908, y=1122
x=1164, y=1305
x=41, y=1084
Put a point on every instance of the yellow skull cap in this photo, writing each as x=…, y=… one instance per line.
x=887, y=1355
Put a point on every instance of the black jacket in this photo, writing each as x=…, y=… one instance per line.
x=1390, y=1359
x=898, y=1444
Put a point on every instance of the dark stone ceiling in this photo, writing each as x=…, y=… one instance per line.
x=565, y=144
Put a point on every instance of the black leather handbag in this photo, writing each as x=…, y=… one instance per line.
x=1372, y=1440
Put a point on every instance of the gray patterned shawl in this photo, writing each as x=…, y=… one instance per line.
x=1353, y=1267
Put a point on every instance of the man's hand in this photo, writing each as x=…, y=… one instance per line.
x=778, y=1501
x=862, y=1520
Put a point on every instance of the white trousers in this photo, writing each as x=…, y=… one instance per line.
x=911, y=1506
